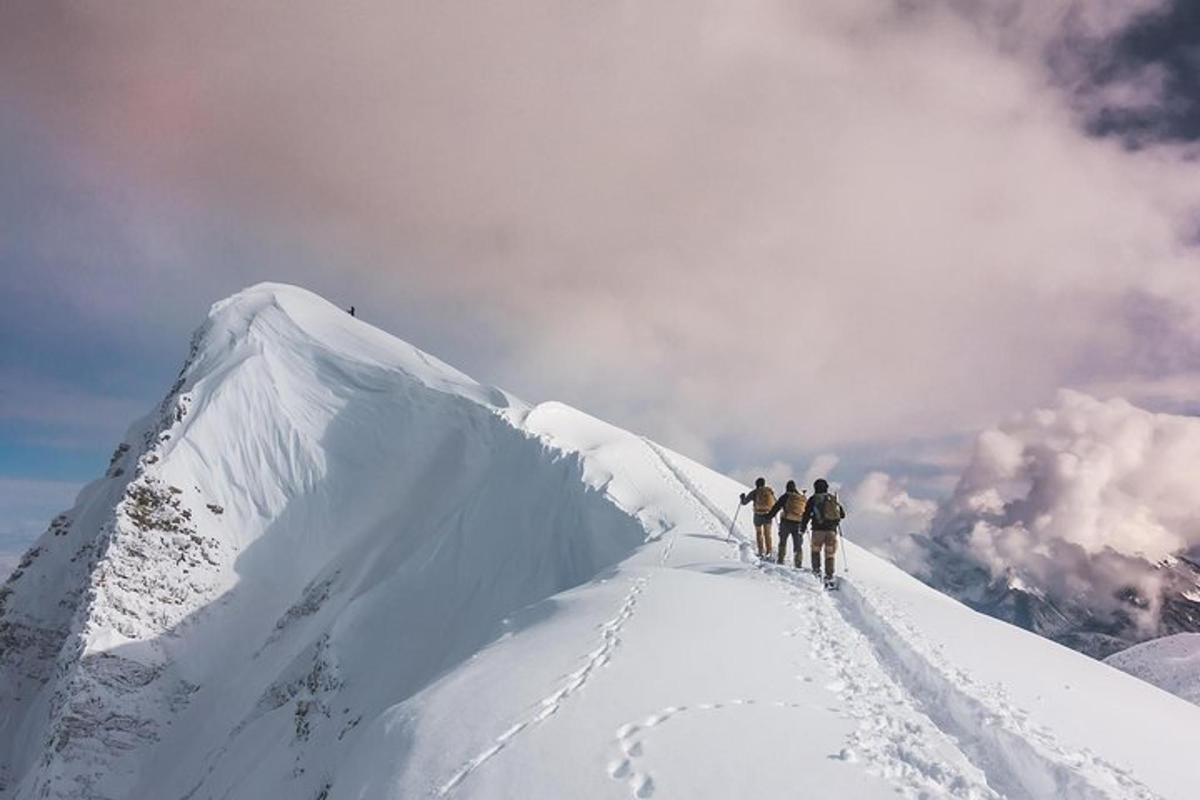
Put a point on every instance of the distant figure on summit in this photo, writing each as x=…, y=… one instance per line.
x=826, y=514
x=763, y=497
x=792, y=504
x=352, y=311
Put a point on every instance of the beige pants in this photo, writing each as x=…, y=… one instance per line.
x=766, y=543
x=827, y=540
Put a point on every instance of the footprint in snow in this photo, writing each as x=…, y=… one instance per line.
x=642, y=785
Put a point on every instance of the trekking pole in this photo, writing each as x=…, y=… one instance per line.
x=845, y=562
x=733, y=522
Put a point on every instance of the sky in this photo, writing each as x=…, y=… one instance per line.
x=764, y=232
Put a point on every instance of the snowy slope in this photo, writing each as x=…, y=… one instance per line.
x=330, y=566
x=1171, y=663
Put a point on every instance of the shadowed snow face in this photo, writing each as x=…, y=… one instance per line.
x=792, y=227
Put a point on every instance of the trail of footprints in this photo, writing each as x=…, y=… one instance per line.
x=630, y=737
x=610, y=638
x=895, y=744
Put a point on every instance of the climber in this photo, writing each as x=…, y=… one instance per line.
x=826, y=514
x=791, y=503
x=763, y=497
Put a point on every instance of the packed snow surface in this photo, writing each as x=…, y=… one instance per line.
x=330, y=566
x=1171, y=663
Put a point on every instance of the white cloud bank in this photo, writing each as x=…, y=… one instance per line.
x=1079, y=500
x=883, y=516
x=1099, y=475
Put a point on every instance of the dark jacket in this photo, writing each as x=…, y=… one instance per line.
x=810, y=515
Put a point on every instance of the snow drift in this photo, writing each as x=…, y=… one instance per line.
x=1171, y=663
x=328, y=565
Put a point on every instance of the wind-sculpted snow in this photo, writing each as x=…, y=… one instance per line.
x=328, y=566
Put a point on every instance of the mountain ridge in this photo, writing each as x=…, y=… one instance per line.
x=329, y=565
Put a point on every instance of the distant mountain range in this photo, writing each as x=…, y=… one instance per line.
x=1127, y=618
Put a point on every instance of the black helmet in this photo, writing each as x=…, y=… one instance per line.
x=820, y=485
x=791, y=486
x=760, y=482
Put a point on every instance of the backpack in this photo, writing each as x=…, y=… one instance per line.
x=764, y=500
x=793, y=506
x=826, y=509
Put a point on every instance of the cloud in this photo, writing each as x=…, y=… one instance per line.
x=790, y=227
x=822, y=466
x=777, y=474
x=28, y=399
x=1079, y=500
x=883, y=517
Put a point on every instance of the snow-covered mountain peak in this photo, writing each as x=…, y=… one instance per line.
x=296, y=323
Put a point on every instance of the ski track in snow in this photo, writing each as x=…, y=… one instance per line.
x=897, y=745
x=892, y=734
x=1017, y=757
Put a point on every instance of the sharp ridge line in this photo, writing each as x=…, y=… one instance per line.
x=697, y=497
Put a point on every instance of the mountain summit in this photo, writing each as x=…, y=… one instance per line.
x=328, y=565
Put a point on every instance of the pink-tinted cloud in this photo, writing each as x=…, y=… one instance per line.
x=791, y=225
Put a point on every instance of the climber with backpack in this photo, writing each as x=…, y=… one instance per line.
x=792, y=503
x=763, y=497
x=826, y=514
